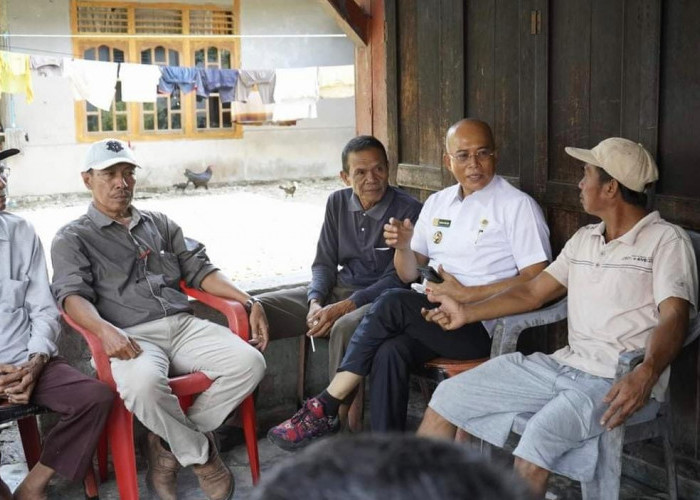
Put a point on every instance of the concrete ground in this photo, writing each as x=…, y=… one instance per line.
x=237, y=460
x=560, y=488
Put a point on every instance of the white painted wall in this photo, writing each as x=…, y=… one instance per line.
x=51, y=159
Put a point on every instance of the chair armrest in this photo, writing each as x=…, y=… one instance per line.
x=508, y=328
x=234, y=311
x=102, y=366
x=627, y=361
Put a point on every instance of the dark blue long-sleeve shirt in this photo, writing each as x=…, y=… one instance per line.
x=352, y=239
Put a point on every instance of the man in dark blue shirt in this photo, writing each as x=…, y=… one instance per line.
x=353, y=263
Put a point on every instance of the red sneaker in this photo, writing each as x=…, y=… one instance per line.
x=308, y=424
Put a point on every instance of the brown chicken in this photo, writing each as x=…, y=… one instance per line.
x=199, y=178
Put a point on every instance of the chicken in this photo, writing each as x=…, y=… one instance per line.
x=199, y=178
x=181, y=186
x=289, y=190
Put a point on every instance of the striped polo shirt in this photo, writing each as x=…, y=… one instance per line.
x=615, y=289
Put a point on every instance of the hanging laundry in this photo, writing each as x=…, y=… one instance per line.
x=336, y=82
x=46, y=65
x=252, y=112
x=139, y=82
x=185, y=79
x=93, y=81
x=15, y=76
x=262, y=80
x=296, y=93
x=218, y=80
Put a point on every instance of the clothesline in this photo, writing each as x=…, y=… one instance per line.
x=263, y=95
x=122, y=36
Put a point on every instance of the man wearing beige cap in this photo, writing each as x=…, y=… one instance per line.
x=632, y=282
x=117, y=271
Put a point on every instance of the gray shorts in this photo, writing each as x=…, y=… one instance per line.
x=566, y=405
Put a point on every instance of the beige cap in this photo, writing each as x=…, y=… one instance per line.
x=626, y=161
x=107, y=152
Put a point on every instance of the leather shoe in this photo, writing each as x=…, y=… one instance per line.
x=162, y=470
x=214, y=476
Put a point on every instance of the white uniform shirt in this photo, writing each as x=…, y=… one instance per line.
x=486, y=237
x=615, y=289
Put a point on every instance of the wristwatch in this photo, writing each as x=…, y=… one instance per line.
x=250, y=302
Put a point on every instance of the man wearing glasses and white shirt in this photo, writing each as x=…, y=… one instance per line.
x=484, y=236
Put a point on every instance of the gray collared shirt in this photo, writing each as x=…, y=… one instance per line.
x=353, y=239
x=28, y=315
x=131, y=274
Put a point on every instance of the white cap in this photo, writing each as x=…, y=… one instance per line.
x=107, y=152
x=626, y=161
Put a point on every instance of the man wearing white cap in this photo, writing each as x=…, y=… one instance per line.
x=117, y=271
x=632, y=282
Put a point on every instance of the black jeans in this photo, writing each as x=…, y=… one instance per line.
x=392, y=339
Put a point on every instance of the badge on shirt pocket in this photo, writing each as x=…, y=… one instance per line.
x=441, y=222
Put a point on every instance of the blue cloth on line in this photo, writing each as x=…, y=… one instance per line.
x=218, y=80
x=186, y=79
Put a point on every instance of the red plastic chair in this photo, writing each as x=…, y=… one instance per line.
x=120, y=430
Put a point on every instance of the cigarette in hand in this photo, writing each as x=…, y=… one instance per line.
x=313, y=346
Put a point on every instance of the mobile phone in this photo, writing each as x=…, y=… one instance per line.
x=430, y=274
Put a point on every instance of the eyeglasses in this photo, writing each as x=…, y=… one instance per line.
x=463, y=158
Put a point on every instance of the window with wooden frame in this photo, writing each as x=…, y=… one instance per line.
x=170, y=34
x=212, y=113
x=165, y=115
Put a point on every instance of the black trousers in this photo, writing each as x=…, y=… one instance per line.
x=393, y=339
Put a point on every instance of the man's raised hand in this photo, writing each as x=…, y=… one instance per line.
x=398, y=233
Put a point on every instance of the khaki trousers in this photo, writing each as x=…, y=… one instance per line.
x=177, y=345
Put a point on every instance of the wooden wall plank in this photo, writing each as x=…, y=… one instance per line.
x=506, y=86
x=641, y=72
x=451, y=88
x=607, y=19
x=535, y=110
x=569, y=85
x=531, y=112
x=390, y=42
x=679, y=155
x=428, y=31
x=409, y=146
x=364, y=114
x=479, y=26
